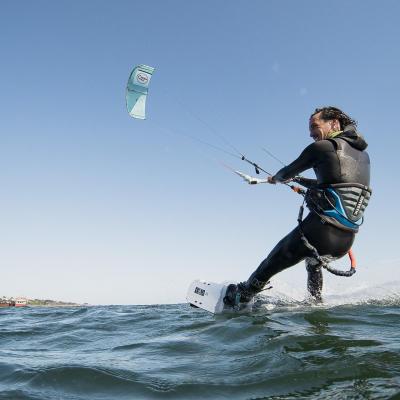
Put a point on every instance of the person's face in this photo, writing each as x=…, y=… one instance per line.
x=319, y=128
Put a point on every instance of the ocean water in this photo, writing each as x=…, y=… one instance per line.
x=283, y=349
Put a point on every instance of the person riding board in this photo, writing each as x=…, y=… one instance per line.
x=336, y=200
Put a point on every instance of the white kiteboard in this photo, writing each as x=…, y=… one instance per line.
x=209, y=296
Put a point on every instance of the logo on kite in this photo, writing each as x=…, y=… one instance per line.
x=142, y=78
x=137, y=89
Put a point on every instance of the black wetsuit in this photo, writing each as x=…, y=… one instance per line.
x=337, y=161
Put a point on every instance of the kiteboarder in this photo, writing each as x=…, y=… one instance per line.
x=336, y=200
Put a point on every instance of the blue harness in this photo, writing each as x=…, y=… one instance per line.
x=338, y=212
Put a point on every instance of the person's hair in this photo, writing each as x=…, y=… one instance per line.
x=329, y=113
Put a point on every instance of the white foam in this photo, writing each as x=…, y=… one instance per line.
x=363, y=292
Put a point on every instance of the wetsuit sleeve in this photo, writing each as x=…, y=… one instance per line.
x=306, y=160
x=306, y=182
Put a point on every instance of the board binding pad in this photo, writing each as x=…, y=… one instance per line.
x=209, y=296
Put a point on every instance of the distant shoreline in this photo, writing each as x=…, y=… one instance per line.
x=25, y=302
x=54, y=303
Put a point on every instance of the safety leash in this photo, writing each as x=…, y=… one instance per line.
x=322, y=262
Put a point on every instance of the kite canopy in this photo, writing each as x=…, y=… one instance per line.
x=136, y=90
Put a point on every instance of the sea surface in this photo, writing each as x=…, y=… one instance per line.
x=281, y=350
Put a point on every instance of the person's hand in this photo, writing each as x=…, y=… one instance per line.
x=271, y=180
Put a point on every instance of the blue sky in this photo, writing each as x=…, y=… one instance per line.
x=100, y=208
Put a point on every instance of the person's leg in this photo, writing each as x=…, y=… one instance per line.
x=328, y=240
x=314, y=278
x=289, y=251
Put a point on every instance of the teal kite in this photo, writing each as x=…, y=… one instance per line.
x=137, y=89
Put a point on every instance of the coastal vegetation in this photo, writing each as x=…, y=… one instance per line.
x=48, y=302
x=22, y=301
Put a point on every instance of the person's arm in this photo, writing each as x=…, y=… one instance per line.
x=306, y=182
x=305, y=161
